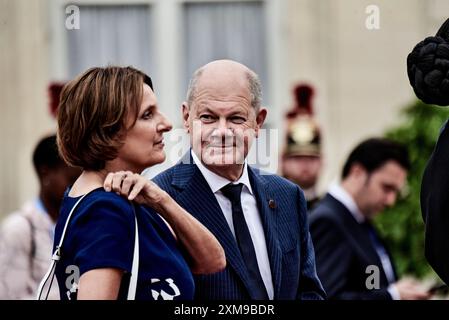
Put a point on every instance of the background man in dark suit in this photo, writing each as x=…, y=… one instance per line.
x=260, y=219
x=352, y=261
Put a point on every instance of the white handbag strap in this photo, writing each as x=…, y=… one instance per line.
x=50, y=274
x=55, y=258
x=135, y=268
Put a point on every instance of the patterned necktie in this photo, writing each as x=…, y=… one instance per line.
x=243, y=237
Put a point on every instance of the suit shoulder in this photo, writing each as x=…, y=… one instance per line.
x=325, y=225
x=164, y=178
x=323, y=212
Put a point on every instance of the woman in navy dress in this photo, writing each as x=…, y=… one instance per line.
x=109, y=124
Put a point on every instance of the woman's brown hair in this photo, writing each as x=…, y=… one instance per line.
x=93, y=114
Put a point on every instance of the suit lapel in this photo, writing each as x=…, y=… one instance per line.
x=269, y=221
x=202, y=204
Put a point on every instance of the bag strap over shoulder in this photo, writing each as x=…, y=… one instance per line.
x=55, y=258
x=135, y=267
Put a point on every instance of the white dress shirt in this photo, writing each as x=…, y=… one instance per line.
x=339, y=193
x=250, y=211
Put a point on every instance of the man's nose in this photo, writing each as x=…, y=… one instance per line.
x=222, y=129
x=391, y=198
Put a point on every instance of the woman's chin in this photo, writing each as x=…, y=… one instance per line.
x=158, y=159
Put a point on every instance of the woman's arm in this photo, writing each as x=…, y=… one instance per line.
x=207, y=255
x=100, y=284
x=206, y=252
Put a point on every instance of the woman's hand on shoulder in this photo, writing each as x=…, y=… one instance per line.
x=136, y=187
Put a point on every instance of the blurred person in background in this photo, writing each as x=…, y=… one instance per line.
x=352, y=261
x=301, y=157
x=26, y=236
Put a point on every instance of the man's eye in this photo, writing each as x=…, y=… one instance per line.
x=206, y=118
x=390, y=189
x=238, y=120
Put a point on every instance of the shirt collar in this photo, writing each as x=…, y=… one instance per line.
x=339, y=193
x=217, y=182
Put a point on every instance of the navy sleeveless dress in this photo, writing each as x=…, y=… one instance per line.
x=101, y=235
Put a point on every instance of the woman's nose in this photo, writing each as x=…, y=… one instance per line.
x=165, y=124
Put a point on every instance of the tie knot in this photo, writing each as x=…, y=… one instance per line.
x=232, y=191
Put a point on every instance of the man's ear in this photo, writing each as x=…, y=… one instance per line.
x=358, y=171
x=185, y=116
x=260, y=119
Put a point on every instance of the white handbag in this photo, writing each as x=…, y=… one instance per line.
x=47, y=281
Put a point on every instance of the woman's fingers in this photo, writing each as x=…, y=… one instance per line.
x=131, y=185
x=114, y=181
x=117, y=181
x=137, y=188
x=107, y=184
x=128, y=184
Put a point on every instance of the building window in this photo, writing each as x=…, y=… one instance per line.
x=111, y=35
x=225, y=30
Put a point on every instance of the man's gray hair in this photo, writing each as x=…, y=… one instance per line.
x=255, y=87
x=191, y=91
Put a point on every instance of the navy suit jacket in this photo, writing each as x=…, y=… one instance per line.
x=344, y=250
x=288, y=240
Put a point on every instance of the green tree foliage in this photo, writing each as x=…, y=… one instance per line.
x=402, y=226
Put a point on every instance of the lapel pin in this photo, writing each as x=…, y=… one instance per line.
x=271, y=204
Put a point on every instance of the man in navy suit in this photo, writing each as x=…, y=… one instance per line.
x=260, y=219
x=352, y=261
